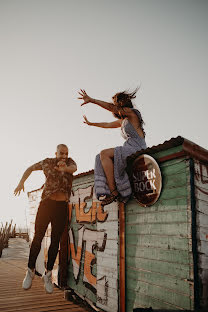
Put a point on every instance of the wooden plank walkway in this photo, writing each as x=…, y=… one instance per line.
x=15, y=299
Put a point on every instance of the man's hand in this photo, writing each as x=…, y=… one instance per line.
x=19, y=188
x=86, y=98
x=61, y=166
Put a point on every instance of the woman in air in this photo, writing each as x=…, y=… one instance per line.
x=111, y=179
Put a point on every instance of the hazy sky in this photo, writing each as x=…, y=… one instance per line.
x=52, y=48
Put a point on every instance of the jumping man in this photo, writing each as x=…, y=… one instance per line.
x=52, y=209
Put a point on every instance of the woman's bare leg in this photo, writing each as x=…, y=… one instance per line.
x=107, y=159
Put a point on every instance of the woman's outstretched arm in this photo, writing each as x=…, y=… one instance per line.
x=113, y=124
x=87, y=99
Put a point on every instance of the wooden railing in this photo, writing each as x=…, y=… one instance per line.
x=6, y=231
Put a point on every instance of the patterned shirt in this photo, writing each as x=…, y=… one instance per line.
x=56, y=181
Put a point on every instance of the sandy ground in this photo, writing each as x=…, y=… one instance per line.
x=18, y=249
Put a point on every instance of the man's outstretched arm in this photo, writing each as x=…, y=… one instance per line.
x=26, y=174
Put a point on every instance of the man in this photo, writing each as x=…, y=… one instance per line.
x=52, y=208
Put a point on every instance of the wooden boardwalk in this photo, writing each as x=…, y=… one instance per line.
x=15, y=299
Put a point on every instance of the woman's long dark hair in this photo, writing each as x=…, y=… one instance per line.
x=123, y=99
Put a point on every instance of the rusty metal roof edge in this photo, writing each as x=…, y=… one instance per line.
x=190, y=148
x=195, y=151
x=82, y=174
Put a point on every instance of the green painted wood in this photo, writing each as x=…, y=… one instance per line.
x=164, y=294
x=167, y=152
x=160, y=205
x=83, y=180
x=173, y=167
x=159, y=259
x=173, y=283
x=145, y=301
x=157, y=217
x=158, y=241
x=176, y=229
x=175, y=192
x=158, y=266
x=180, y=257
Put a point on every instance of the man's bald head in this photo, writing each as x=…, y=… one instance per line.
x=61, y=145
x=62, y=151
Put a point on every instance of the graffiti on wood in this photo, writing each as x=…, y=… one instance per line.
x=201, y=175
x=83, y=252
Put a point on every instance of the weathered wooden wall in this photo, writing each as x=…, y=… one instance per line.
x=201, y=200
x=159, y=262
x=93, y=250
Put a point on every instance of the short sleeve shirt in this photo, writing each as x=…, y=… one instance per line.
x=56, y=181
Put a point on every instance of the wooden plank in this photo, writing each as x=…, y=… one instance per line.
x=176, y=192
x=35, y=299
x=176, y=229
x=161, y=205
x=201, y=197
x=167, y=152
x=182, y=257
x=147, y=301
x=158, y=241
x=159, y=253
x=158, y=217
x=177, y=299
x=159, y=266
x=165, y=281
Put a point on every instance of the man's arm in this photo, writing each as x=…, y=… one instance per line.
x=26, y=174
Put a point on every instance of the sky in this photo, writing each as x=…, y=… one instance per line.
x=52, y=48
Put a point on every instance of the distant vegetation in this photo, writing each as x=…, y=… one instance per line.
x=6, y=231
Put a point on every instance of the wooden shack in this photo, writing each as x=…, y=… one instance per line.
x=166, y=244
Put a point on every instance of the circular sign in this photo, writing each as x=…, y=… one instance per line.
x=146, y=180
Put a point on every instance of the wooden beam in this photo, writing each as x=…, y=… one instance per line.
x=122, y=270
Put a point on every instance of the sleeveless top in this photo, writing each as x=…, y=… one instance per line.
x=128, y=131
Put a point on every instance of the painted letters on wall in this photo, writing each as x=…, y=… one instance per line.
x=93, y=249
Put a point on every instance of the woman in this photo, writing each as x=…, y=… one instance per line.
x=111, y=179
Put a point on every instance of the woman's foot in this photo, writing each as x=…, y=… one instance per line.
x=110, y=198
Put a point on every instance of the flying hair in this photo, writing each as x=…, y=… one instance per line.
x=124, y=99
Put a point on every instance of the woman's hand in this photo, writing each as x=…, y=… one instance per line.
x=86, y=121
x=86, y=98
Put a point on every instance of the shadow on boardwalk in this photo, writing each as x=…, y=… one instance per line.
x=15, y=299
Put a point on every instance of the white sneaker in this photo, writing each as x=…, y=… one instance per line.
x=47, y=278
x=27, y=282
